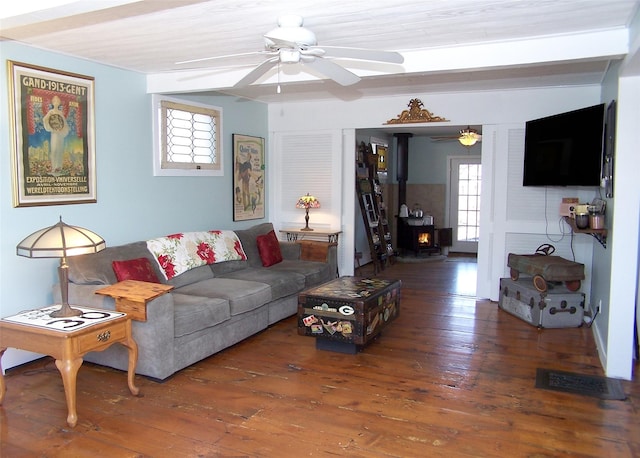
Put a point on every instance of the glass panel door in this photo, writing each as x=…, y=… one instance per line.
x=466, y=176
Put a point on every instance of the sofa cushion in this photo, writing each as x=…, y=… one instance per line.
x=248, y=238
x=194, y=313
x=97, y=268
x=221, y=268
x=282, y=283
x=135, y=269
x=192, y=276
x=290, y=250
x=269, y=249
x=314, y=272
x=243, y=295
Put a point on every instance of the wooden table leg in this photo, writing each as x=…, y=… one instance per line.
x=69, y=370
x=3, y=388
x=133, y=360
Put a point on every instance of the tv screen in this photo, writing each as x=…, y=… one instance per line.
x=565, y=149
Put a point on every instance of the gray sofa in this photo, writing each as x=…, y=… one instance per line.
x=211, y=307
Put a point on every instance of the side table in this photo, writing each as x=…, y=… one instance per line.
x=67, y=340
x=294, y=234
x=132, y=296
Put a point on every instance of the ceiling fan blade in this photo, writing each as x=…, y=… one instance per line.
x=478, y=138
x=313, y=51
x=334, y=71
x=275, y=43
x=362, y=54
x=257, y=72
x=444, y=139
x=254, y=53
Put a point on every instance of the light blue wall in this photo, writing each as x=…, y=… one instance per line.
x=428, y=159
x=132, y=203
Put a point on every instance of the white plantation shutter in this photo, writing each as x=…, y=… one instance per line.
x=307, y=167
x=308, y=162
x=528, y=203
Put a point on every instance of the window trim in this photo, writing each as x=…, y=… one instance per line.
x=159, y=146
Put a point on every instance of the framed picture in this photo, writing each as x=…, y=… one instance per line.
x=248, y=177
x=381, y=152
x=53, y=136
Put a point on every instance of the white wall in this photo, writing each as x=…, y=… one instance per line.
x=625, y=248
x=517, y=219
x=502, y=114
x=617, y=349
x=485, y=108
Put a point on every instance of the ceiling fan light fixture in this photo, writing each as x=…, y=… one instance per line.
x=291, y=43
x=468, y=137
x=289, y=34
x=289, y=56
x=467, y=140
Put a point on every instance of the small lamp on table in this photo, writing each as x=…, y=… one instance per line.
x=307, y=202
x=61, y=241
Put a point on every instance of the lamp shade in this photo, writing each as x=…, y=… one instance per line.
x=60, y=241
x=308, y=201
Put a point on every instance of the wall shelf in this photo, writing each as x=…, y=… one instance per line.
x=599, y=234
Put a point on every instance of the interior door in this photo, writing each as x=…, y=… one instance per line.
x=465, y=175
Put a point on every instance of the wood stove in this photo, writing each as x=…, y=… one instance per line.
x=419, y=239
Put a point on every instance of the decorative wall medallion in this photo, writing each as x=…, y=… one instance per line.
x=416, y=113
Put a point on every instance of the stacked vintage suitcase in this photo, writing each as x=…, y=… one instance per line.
x=547, y=299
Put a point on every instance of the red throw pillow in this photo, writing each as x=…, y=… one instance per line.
x=269, y=249
x=135, y=269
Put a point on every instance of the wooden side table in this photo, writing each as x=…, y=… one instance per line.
x=67, y=340
x=294, y=234
x=132, y=296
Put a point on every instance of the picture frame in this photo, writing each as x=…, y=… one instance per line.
x=381, y=152
x=248, y=177
x=52, y=122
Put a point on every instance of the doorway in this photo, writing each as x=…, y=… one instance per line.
x=463, y=189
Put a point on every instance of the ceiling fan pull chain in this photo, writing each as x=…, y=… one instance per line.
x=278, y=88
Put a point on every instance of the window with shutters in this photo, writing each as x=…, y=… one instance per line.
x=187, y=138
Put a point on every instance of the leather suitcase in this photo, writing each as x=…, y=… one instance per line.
x=558, y=307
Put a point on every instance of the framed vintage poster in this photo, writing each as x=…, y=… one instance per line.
x=53, y=136
x=248, y=177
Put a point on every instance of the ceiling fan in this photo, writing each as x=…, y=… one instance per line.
x=467, y=137
x=292, y=43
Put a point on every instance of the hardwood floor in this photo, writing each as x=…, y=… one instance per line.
x=451, y=377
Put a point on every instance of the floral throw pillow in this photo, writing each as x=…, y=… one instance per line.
x=269, y=249
x=135, y=269
x=178, y=253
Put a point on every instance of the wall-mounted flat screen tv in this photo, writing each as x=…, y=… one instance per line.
x=565, y=149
